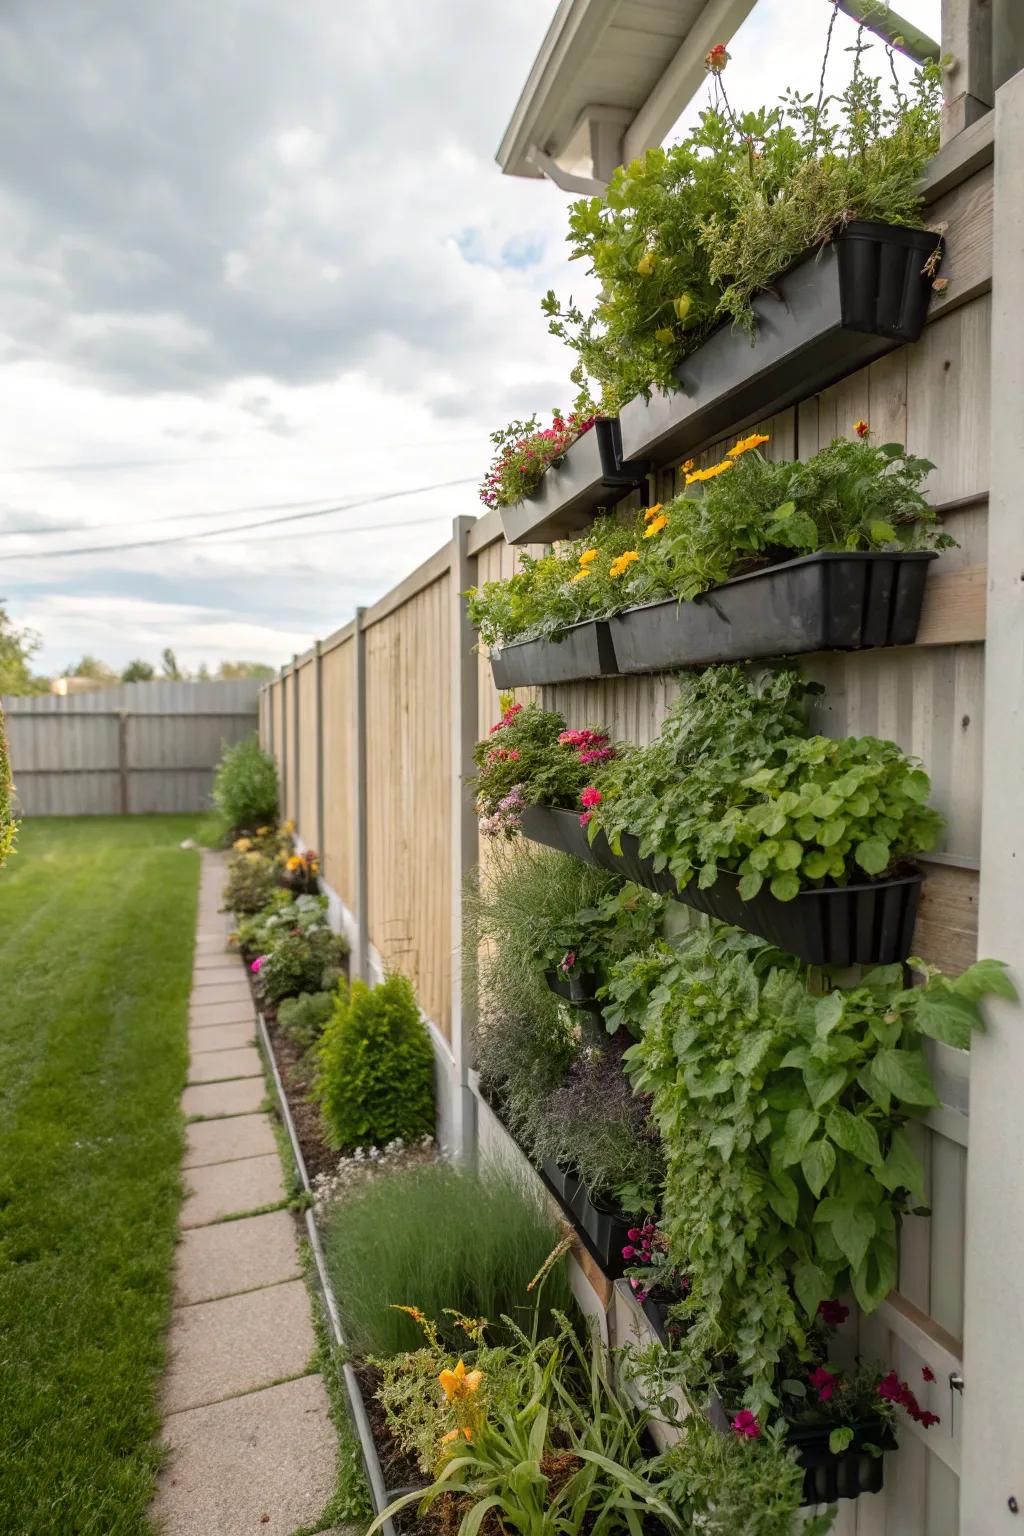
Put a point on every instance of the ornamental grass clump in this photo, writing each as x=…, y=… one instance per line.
x=685, y=237
x=375, y=1067
x=741, y=513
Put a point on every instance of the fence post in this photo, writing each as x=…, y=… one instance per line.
x=283, y=744
x=295, y=786
x=361, y=958
x=464, y=832
x=318, y=690
x=122, y=759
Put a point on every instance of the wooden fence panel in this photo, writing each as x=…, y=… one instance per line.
x=289, y=788
x=338, y=852
x=408, y=770
x=306, y=786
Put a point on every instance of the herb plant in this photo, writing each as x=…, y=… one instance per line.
x=375, y=1067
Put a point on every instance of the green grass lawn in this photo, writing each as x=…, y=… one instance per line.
x=97, y=918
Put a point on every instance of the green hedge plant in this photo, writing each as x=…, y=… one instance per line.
x=245, y=789
x=303, y=1018
x=375, y=1067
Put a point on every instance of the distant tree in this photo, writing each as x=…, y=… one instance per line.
x=138, y=672
x=229, y=671
x=203, y=675
x=169, y=662
x=95, y=670
x=17, y=647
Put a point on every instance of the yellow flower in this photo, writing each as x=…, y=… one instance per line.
x=682, y=306
x=622, y=564
x=709, y=474
x=645, y=266
x=656, y=526
x=294, y=863
x=579, y=576
x=262, y=831
x=686, y=466
x=460, y=1382
x=746, y=443
x=289, y=827
x=652, y=512
x=588, y=557
x=242, y=845
x=453, y=1434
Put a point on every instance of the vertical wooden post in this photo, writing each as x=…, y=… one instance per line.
x=967, y=85
x=283, y=744
x=1007, y=40
x=294, y=785
x=361, y=958
x=318, y=693
x=464, y=833
x=122, y=761
x=992, y=1485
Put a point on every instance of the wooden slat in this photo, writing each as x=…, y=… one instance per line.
x=954, y=606
x=946, y=934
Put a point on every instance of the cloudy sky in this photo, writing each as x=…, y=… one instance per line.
x=258, y=259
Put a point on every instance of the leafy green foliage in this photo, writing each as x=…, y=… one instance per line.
x=683, y=238
x=849, y=496
x=301, y=961
x=731, y=785
x=783, y=1116
x=524, y=761
x=245, y=788
x=250, y=883
x=440, y=1236
x=303, y=1018
x=8, y=825
x=375, y=1067
x=726, y=1485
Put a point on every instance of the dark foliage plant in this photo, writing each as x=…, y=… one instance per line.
x=303, y=1018
x=250, y=883
x=375, y=1067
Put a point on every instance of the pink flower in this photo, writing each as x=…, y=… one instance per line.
x=634, y=1233
x=833, y=1312
x=745, y=1424
x=927, y=1373
x=585, y=818
x=824, y=1383
x=628, y=1251
x=568, y=960
x=591, y=797
x=258, y=964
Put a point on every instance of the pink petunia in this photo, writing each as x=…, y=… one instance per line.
x=258, y=964
x=745, y=1424
x=591, y=797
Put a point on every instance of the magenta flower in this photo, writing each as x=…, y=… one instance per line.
x=590, y=797
x=628, y=1251
x=927, y=1373
x=833, y=1312
x=745, y=1424
x=568, y=961
x=585, y=819
x=258, y=964
x=824, y=1382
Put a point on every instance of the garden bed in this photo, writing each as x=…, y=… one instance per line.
x=592, y=474
x=831, y=314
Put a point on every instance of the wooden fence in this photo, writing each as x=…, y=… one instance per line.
x=373, y=729
x=142, y=747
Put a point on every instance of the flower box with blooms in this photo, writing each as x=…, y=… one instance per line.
x=528, y=759
x=566, y=498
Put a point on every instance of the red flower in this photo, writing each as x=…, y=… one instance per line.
x=585, y=818
x=824, y=1383
x=745, y=1423
x=716, y=59
x=590, y=797
x=927, y=1373
x=861, y=428
x=833, y=1312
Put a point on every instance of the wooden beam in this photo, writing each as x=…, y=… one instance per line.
x=954, y=606
x=967, y=84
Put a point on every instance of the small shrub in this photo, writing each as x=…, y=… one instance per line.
x=375, y=1075
x=297, y=961
x=253, y=936
x=7, y=822
x=303, y=1018
x=245, y=788
x=435, y=1236
x=250, y=883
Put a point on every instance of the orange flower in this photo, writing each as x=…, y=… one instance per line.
x=716, y=59
x=585, y=571
x=656, y=526
x=746, y=443
x=588, y=557
x=453, y=1434
x=623, y=563
x=710, y=474
x=460, y=1382
x=861, y=428
x=652, y=511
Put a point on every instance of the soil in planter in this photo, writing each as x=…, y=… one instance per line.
x=296, y=1077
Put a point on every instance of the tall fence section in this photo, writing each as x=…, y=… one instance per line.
x=141, y=747
x=373, y=730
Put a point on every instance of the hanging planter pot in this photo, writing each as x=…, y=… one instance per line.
x=564, y=1183
x=580, y=990
x=592, y=474
x=656, y=1309
x=831, y=1475
x=582, y=651
x=606, y=1229
x=830, y=314
x=557, y=828
x=818, y=602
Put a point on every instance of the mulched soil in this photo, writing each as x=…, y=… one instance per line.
x=295, y=1075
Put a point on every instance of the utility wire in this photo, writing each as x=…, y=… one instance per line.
x=169, y=517
x=210, y=533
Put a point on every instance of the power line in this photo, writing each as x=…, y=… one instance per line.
x=170, y=517
x=210, y=533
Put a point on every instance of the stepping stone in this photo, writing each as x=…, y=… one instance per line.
x=221, y=1013
x=238, y=1344
x=218, y=959
x=241, y=1097
x=259, y=1465
x=217, y=1066
x=216, y=976
x=227, y=1141
x=227, y=1189
x=220, y=1037
x=235, y=1256
x=233, y=991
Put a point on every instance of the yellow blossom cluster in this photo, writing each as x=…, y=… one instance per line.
x=711, y=473
x=746, y=443
x=622, y=564
x=586, y=561
x=656, y=526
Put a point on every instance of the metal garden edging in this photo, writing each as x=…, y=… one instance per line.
x=371, y=1461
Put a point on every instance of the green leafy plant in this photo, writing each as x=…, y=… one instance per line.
x=749, y=512
x=254, y=933
x=445, y=1237
x=534, y=760
x=8, y=825
x=732, y=785
x=683, y=238
x=250, y=883
x=783, y=1115
x=523, y=451
x=375, y=1067
x=303, y=1018
x=245, y=788
x=299, y=961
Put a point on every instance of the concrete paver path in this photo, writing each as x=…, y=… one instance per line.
x=246, y=1421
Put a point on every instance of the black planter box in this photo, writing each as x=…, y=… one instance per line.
x=606, y=1229
x=818, y=602
x=585, y=650
x=656, y=1312
x=832, y=313
x=560, y=829
x=592, y=474
x=563, y=1183
x=579, y=990
x=831, y=1475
